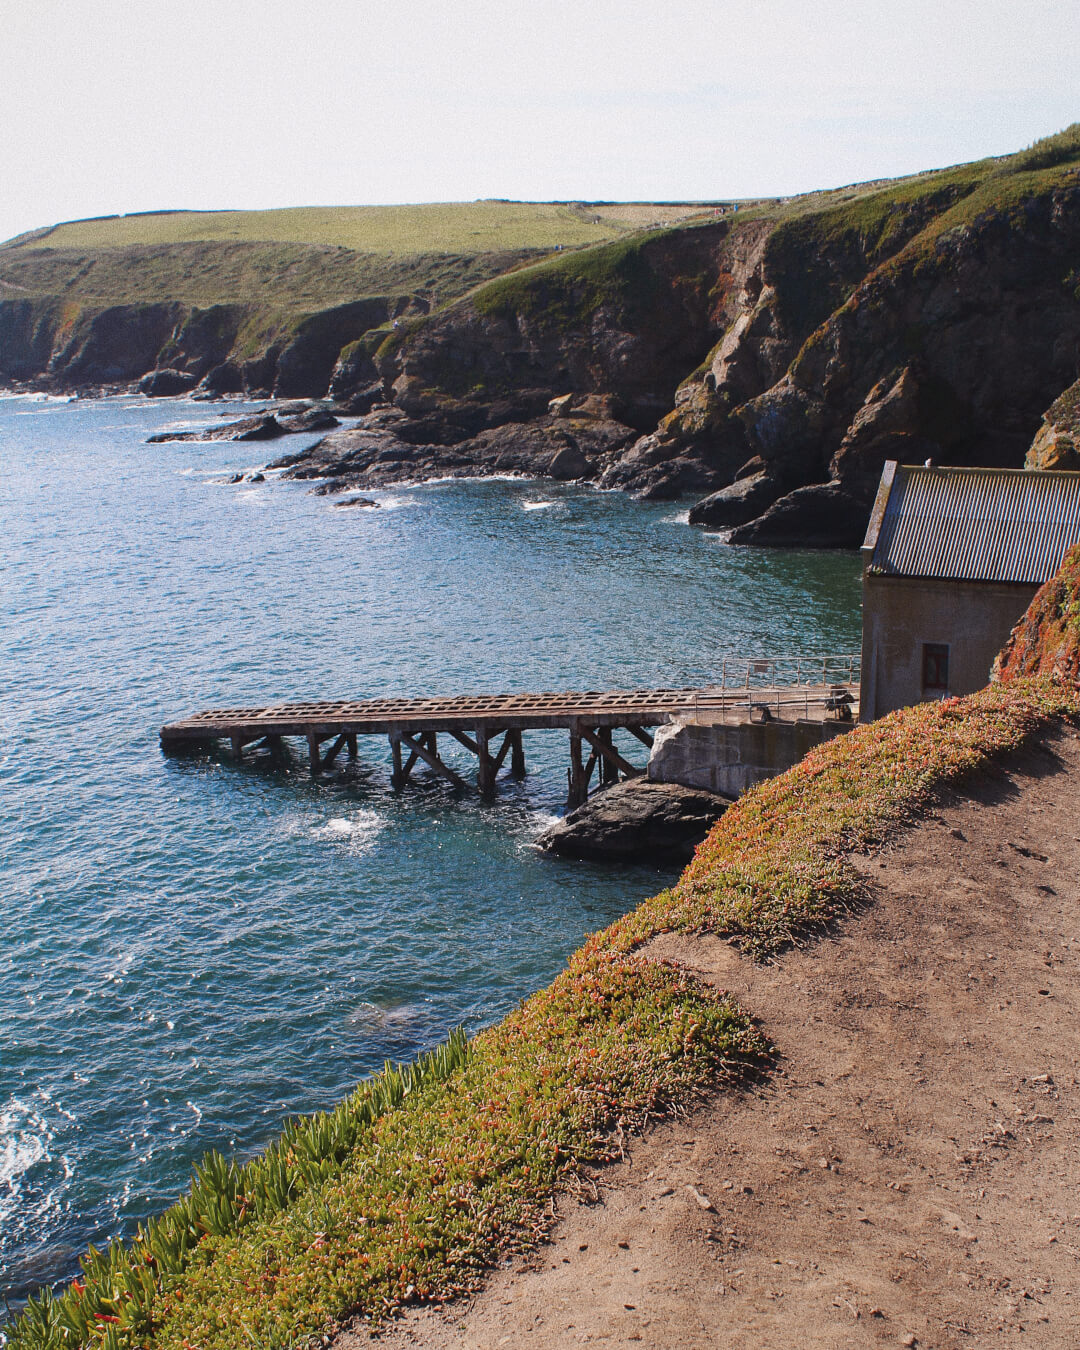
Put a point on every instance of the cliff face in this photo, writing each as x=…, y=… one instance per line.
x=626, y=320
x=65, y=344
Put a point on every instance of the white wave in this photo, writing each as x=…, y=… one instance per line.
x=445, y=480
x=536, y=506
x=190, y=424
x=679, y=518
x=359, y=831
x=38, y=397
x=25, y=1141
x=538, y=821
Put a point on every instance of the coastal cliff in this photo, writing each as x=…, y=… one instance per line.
x=766, y=361
x=936, y=318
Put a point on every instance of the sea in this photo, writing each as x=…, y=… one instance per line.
x=194, y=950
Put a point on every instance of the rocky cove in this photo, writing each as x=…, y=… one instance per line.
x=764, y=362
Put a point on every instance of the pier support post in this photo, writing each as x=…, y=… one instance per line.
x=517, y=755
x=397, y=777
x=609, y=772
x=314, y=759
x=485, y=775
x=350, y=741
x=238, y=747
x=579, y=788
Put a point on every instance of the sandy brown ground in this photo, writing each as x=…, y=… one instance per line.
x=908, y=1176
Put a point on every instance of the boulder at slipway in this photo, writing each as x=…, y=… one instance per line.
x=637, y=820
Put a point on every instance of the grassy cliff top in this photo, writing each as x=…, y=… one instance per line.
x=527, y=256
x=440, y=227
x=309, y=257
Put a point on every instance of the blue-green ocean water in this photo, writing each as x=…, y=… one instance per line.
x=191, y=950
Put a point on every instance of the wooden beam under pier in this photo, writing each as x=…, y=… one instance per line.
x=600, y=741
x=431, y=759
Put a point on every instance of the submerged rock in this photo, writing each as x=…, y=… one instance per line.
x=637, y=820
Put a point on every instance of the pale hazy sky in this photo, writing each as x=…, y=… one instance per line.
x=131, y=105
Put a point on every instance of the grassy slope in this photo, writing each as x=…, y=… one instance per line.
x=412, y=1196
x=304, y=258
x=959, y=198
x=300, y=276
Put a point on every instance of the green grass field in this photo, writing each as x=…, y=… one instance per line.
x=447, y=227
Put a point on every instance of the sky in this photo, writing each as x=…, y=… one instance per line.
x=111, y=106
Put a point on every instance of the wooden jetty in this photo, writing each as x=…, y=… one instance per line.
x=489, y=727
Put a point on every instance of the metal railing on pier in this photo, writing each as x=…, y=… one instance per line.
x=784, y=686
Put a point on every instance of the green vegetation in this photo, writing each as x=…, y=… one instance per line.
x=300, y=276
x=818, y=257
x=421, y=1178
x=307, y=258
x=822, y=250
x=565, y=289
x=908, y=225
x=440, y=227
x=413, y=1186
x=1046, y=641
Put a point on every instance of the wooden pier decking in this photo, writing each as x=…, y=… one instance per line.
x=476, y=722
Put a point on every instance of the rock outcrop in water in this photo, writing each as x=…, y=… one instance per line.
x=637, y=820
x=767, y=362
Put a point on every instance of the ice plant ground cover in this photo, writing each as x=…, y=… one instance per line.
x=1046, y=641
x=422, y=1178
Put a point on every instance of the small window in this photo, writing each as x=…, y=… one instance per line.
x=935, y=668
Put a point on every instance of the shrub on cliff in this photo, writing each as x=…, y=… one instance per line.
x=1046, y=641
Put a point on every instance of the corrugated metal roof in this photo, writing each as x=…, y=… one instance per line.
x=974, y=524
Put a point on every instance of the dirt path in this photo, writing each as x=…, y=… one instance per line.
x=908, y=1176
